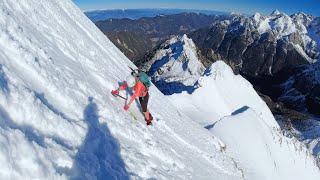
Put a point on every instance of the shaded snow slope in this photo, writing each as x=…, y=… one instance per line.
x=59, y=121
x=263, y=153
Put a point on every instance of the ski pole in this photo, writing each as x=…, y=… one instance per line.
x=120, y=96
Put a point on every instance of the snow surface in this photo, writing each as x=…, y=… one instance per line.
x=175, y=66
x=58, y=119
x=261, y=152
x=227, y=105
x=178, y=61
x=221, y=93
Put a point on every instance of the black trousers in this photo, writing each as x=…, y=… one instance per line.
x=144, y=102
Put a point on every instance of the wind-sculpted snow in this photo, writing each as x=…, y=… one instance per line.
x=228, y=106
x=263, y=153
x=220, y=93
x=58, y=119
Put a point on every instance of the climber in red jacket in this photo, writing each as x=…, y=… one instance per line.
x=141, y=91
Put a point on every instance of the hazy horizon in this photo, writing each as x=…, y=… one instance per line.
x=242, y=6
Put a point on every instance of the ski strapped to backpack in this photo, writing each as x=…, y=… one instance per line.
x=142, y=76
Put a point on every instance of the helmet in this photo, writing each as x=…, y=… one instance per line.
x=131, y=81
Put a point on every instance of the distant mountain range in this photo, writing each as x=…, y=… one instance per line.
x=98, y=15
x=162, y=27
x=262, y=45
x=133, y=45
x=273, y=52
x=135, y=37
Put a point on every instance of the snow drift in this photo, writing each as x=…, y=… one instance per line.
x=221, y=93
x=228, y=106
x=58, y=119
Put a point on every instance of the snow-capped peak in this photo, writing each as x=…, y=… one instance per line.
x=176, y=61
x=276, y=13
x=298, y=25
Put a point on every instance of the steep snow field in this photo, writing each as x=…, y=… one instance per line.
x=221, y=93
x=261, y=152
x=58, y=119
x=227, y=105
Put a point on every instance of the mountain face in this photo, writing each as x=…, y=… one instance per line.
x=307, y=132
x=100, y=15
x=161, y=27
x=133, y=45
x=290, y=90
x=175, y=66
x=301, y=89
x=58, y=119
x=144, y=34
x=261, y=45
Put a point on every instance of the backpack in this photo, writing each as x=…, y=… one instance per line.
x=142, y=76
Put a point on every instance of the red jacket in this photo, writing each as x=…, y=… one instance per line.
x=139, y=90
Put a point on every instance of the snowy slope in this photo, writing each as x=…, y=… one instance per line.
x=228, y=106
x=175, y=66
x=221, y=93
x=59, y=121
x=263, y=153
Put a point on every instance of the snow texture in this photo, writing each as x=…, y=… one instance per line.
x=58, y=119
x=221, y=93
x=261, y=152
x=175, y=67
x=227, y=105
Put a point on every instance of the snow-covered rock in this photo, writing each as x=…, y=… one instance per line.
x=282, y=25
x=176, y=65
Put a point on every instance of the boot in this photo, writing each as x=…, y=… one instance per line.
x=150, y=116
x=148, y=122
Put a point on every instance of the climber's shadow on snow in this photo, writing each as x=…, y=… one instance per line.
x=99, y=156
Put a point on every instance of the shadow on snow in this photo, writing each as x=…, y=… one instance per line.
x=99, y=156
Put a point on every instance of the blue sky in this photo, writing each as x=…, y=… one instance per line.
x=241, y=6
